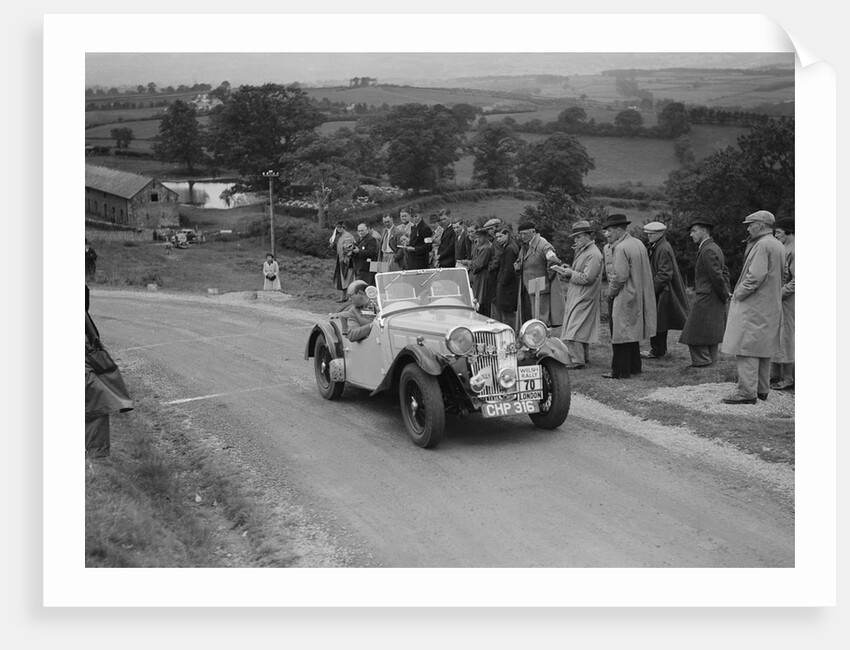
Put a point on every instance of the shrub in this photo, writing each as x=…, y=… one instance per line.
x=298, y=234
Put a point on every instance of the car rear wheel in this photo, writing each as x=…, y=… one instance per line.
x=421, y=406
x=556, y=396
x=328, y=388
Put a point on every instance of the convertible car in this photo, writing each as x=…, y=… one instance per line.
x=429, y=343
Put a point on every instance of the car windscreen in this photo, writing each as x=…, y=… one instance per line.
x=423, y=288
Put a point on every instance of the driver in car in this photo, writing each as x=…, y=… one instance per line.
x=359, y=324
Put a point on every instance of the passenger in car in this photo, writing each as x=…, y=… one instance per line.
x=359, y=324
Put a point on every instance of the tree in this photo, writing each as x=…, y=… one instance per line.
x=151, y=89
x=673, y=120
x=494, y=149
x=258, y=126
x=222, y=92
x=423, y=143
x=560, y=161
x=122, y=136
x=629, y=120
x=570, y=118
x=180, y=137
x=755, y=174
x=554, y=215
x=333, y=186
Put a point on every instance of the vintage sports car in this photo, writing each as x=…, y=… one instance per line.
x=428, y=342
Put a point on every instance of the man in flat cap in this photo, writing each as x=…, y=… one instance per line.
x=782, y=368
x=584, y=289
x=755, y=310
x=631, y=299
x=703, y=330
x=671, y=299
x=536, y=257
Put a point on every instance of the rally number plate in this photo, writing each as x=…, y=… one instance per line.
x=500, y=409
x=530, y=383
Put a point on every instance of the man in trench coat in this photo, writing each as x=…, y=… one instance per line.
x=631, y=298
x=755, y=311
x=536, y=256
x=671, y=299
x=584, y=290
x=703, y=331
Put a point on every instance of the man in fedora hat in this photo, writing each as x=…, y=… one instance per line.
x=671, y=299
x=703, y=330
x=631, y=300
x=782, y=367
x=584, y=289
x=536, y=258
x=755, y=310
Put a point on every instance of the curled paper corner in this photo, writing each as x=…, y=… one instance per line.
x=787, y=42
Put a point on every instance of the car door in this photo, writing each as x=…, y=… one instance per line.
x=364, y=360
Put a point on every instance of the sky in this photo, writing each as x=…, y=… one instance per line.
x=429, y=68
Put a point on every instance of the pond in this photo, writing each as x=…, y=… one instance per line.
x=207, y=194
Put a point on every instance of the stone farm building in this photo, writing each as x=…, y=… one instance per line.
x=128, y=199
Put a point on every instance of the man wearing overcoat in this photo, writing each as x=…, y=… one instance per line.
x=671, y=299
x=507, y=282
x=703, y=331
x=584, y=291
x=631, y=298
x=755, y=310
x=536, y=257
x=342, y=242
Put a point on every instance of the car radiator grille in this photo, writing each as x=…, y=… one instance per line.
x=494, y=350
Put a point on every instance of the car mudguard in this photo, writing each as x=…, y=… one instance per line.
x=331, y=336
x=555, y=349
x=428, y=360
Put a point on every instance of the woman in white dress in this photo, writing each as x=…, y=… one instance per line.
x=271, y=274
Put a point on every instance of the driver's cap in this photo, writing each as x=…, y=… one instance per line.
x=357, y=285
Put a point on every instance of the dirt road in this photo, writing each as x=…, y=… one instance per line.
x=605, y=490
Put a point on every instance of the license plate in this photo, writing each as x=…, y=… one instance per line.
x=530, y=382
x=500, y=409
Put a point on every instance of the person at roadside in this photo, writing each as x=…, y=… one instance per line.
x=536, y=257
x=271, y=274
x=706, y=322
x=782, y=367
x=491, y=226
x=364, y=253
x=91, y=259
x=105, y=393
x=359, y=323
x=437, y=230
x=671, y=298
x=388, y=243
x=755, y=311
x=507, y=281
x=463, y=244
x=479, y=270
x=446, y=249
x=419, y=245
x=584, y=290
x=631, y=299
x=342, y=242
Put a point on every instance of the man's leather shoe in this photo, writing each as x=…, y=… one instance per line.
x=609, y=375
x=735, y=399
x=762, y=397
x=575, y=366
x=649, y=355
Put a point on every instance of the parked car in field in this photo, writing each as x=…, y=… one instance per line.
x=428, y=343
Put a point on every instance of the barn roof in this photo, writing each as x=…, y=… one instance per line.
x=118, y=183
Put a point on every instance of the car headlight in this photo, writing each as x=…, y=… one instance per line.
x=507, y=377
x=533, y=334
x=459, y=341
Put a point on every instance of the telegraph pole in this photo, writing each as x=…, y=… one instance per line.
x=271, y=175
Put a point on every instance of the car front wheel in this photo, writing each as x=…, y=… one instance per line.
x=421, y=406
x=328, y=388
x=556, y=396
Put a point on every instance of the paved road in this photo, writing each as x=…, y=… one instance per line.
x=495, y=493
